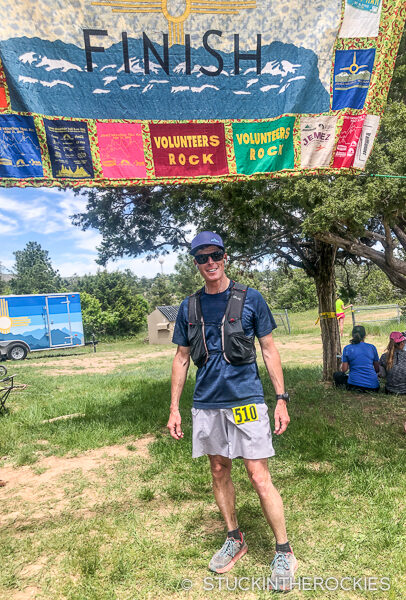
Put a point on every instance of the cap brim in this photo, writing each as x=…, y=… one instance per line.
x=193, y=252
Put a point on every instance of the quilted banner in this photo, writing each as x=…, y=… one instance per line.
x=140, y=92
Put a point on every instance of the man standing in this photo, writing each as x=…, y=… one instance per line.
x=216, y=327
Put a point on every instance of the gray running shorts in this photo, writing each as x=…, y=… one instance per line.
x=215, y=432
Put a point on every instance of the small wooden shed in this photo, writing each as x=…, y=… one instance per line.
x=161, y=323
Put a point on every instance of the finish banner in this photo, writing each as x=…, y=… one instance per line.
x=138, y=92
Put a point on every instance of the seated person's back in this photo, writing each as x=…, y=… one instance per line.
x=362, y=360
x=393, y=362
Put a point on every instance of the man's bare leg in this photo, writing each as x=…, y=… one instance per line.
x=234, y=547
x=284, y=563
x=271, y=501
x=223, y=489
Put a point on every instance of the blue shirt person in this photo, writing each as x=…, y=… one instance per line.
x=362, y=360
x=229, y=416
x=220, y=384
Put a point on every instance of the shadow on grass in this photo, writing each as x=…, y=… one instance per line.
x=114, y=409
x=327, y=425
x=68, y=352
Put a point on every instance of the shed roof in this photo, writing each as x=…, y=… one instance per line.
x=170, y=312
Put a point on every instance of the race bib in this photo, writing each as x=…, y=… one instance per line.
x=242, y=414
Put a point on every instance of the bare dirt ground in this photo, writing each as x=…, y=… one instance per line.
x=96, y=363
x=35, y=494
x=42, y=485
x=309, y=351
x=306, y=350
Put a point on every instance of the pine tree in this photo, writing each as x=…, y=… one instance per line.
x=34, y=273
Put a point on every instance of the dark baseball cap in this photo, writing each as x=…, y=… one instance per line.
x=205, y=238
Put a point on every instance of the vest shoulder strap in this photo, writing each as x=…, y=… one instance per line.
x=239, y=287
x=194, y=308
x=236, y=302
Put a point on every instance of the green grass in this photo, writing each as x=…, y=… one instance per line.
x=136, y=526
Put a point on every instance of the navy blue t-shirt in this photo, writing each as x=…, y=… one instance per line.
x=361, y=359
x=218, y=383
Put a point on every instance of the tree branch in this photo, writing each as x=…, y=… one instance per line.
x=373, y=235
x=289, y=258
x=396, y=273
x=388, y=245
x=400, y=234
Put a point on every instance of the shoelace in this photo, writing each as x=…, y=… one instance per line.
x=228, y=547
x=280, y=561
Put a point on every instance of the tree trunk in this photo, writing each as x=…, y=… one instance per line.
x=325, y=286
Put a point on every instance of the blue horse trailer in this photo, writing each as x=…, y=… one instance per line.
x=39, y=322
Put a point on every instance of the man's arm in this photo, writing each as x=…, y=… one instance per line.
x=273, y=365
x=180, y=368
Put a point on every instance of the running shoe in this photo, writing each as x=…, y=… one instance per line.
x=227, y=556
x=283, y=568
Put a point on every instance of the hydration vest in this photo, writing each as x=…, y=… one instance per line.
x=237, y=348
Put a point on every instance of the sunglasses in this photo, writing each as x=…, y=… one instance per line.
x=202, y=259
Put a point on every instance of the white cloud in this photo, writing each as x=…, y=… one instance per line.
x=7, y=229
x=72, y=250
x=82, y=263
x=32, y=215
x=56, y=191
x=35, y=213
x=8, y=225
x=86, y=240
x=71, y=204
x=9, y=204
x=75, y=266
x=43, y=214
x=49, y=226
x=143, y=267
x=70, y=208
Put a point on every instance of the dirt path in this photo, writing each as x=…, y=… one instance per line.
x=96, y=363
x=41, y=486
x=107, y=362
x=33, y=495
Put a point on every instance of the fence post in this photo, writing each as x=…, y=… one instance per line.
x=353, y=316
x=287, y=319
x=398, y=311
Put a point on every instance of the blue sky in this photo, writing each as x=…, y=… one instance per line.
x=43, y=215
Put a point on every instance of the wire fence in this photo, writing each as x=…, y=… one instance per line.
x=376, y=314
x=283, y=319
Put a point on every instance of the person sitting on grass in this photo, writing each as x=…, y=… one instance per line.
x=393, y=363
x=362, y=360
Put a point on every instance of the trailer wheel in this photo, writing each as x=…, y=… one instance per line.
x=16, y=352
